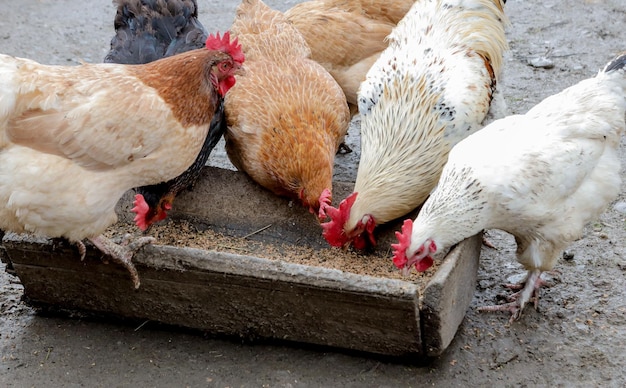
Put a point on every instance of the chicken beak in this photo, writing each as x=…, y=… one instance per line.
x=241, y=71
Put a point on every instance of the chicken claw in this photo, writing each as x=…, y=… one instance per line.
x=528, y=292
x=122, y=254
x=82, y=249
x=488, y=243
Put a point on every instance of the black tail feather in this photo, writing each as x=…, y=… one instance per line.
x=147, y=30
x=616, y=64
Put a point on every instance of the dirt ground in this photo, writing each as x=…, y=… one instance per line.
x=577, y=338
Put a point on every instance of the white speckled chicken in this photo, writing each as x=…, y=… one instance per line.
x=540, y=176
x=431, y=87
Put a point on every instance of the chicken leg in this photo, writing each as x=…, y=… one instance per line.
x=122, y=254
x=8, y=263
x=529, y=291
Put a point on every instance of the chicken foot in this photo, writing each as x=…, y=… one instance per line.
x=528, y=292
x=122, y=254
x=9, y=264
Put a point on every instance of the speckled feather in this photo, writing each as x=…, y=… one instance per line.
x=429, y=89
x=540, y=176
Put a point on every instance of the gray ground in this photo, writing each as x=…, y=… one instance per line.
x=577, y=337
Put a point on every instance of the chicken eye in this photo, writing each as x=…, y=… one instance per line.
x=224, y=66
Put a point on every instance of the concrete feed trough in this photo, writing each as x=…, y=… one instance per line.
x=251, y=296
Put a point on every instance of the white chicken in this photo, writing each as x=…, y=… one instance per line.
x=431, y=87
x=540, y=176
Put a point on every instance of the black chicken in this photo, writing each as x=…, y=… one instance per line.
x=147, y=30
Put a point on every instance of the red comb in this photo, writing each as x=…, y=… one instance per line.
x=217, y=43
x=325, y=200
x=404, y=240
x=333, y=230
x=141, y=209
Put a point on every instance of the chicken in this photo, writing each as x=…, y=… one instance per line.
x=540, y=177
x=154, y=201
x=73, y=139
x=430, y=88
x=347, y=36
x=286, y=116
x=149, y=30
x=144, y=32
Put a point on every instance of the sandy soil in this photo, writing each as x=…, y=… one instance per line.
x=577, y=338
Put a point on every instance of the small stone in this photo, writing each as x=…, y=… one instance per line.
x=485, y=284
x=620, y=207
x=517, y=278
x=582, y=327
x=541, y=63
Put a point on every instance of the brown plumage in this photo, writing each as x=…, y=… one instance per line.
x=74, y=139
x=286, y=116
x=347, y=36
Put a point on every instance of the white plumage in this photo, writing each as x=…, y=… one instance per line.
x=540, y=176
x=431, y=87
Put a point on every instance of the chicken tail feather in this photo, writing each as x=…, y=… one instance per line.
x=616, y=64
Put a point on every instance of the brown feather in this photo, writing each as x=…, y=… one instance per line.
x=178, y=80
x=286, y=115
x=346, y=37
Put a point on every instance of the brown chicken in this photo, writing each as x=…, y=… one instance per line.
x=347, y=36
x=286, y=116
x=74, y=139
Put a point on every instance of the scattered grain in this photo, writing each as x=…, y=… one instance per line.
x=181, y=233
